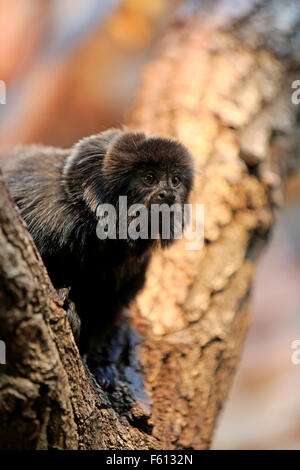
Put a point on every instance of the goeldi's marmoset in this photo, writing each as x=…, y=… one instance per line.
x=58, y=192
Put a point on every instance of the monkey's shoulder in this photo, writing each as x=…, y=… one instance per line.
x=33, y=175
x=32, y=159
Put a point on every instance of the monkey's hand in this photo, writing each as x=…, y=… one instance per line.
x=73, y=316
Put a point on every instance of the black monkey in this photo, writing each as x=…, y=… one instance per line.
x=58, y=192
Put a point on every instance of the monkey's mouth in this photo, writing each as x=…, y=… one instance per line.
x=167, y=224
x=157, y=219
x=156, y=225
x=164, y=196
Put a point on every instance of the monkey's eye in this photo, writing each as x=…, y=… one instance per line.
x=149, y=179
x=175, y=181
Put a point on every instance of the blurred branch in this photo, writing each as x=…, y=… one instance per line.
x=85, y=74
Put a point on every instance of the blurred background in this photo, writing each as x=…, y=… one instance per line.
x=71, y=68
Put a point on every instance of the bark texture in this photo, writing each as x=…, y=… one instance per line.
x=220, y=83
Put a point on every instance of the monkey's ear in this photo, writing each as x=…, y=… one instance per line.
x=125, y=144
x=123, y=153
x=90, y=148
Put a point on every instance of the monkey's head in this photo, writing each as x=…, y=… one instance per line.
x=147, y=170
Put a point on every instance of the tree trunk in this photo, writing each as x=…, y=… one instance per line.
x=220, y=83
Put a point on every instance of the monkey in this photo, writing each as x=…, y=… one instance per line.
x=58, y=192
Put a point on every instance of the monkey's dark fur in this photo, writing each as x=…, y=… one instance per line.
x=58, y=192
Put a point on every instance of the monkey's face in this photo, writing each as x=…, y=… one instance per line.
x=148, y=170
x=154, y=184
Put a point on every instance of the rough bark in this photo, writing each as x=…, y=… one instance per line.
x=220, y=82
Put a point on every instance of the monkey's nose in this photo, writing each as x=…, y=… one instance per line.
x=166, y=197
x=162, y=195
